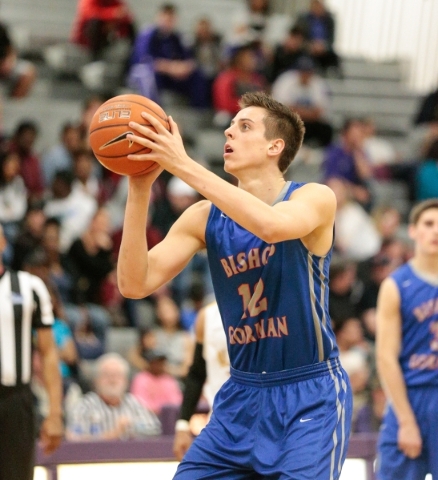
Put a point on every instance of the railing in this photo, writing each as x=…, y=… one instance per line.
x=362, y=446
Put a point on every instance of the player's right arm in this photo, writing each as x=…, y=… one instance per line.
x=388, y=345
x=140, y=271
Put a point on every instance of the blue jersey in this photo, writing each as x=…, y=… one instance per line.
x=273, y=298
x=419, y=315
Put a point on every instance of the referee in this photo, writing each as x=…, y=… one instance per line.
x=24, y=306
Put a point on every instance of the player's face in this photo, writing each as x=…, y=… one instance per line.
x=425, y=232
x=246, y=145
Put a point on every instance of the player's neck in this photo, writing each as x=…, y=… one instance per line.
x=266, y=189
x=426, y=264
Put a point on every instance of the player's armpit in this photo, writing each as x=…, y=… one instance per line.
x=173, y=253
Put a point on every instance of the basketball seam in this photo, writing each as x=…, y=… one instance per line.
x=123, y=155
x=119, y=125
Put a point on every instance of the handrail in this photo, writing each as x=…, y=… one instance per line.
x=361, y=446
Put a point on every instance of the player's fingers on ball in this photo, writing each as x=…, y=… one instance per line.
x=141, y=140
x=154, y=122
x=146, y=131
x=174, y=130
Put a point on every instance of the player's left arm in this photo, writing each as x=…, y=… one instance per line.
x=310, y=208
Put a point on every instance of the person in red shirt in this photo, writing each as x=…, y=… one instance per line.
x=232, y=83
x=99, y=23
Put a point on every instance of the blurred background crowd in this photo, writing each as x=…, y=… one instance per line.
x=62, y=213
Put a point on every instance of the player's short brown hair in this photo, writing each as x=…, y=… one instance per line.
x=421, y=207
x=280, y=122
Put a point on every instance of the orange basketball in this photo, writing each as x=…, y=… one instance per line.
x=110, y=126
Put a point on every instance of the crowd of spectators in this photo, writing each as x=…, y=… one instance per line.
x=62, y=213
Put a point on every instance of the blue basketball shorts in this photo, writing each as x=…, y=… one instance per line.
x=293, y=424
x=392, y=464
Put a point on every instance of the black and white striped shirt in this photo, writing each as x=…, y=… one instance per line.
x=92, y=417
x=24, y=304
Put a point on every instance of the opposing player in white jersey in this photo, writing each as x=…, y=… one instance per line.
x=209, y=370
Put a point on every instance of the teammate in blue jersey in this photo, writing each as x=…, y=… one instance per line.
x=285, y=412
x=407, y=356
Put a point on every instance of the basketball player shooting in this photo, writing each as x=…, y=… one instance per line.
x=285, y=412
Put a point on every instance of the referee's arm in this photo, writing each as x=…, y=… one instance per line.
x=52, y=429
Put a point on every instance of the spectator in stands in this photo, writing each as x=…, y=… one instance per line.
x=306, y=93
x=101, y=23
x=171, y=338
x=147, y=341
x=287, y=53
x=13, y=198
x=154, y=387
x=88, y=321
x=109, y=412
x=60, y=156
x=380, y=152
x=179, y=196
x=207, y=50
x=241, y=76
x=18, y=74
x=425, y=124
x=381, y=266
x=354, y=355
x=91, y=255
x=22, y=143
x=86, y=178
x=369, y=416
x=248, y=24
x=30, y=234
x=388, y=222
x=357, y=237
x=346, y=290
x=346, y=159
x=427, y=174
x=173, y=64
x=318, y=26
x=89, y=107
x=72, y=207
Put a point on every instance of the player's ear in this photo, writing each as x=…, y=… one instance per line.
x=411, y=231
x=276, y=146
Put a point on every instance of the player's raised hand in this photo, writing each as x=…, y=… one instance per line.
x=167, y=148
x=409, y=440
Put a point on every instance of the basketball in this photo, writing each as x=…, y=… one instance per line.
x=109, y=128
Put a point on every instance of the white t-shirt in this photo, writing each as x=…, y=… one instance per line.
x=215, y=353
x=288, y=89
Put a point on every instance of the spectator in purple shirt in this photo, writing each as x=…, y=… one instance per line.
x=175, y=68
x=347, y=160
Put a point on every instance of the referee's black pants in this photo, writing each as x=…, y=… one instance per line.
x=17, y=433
